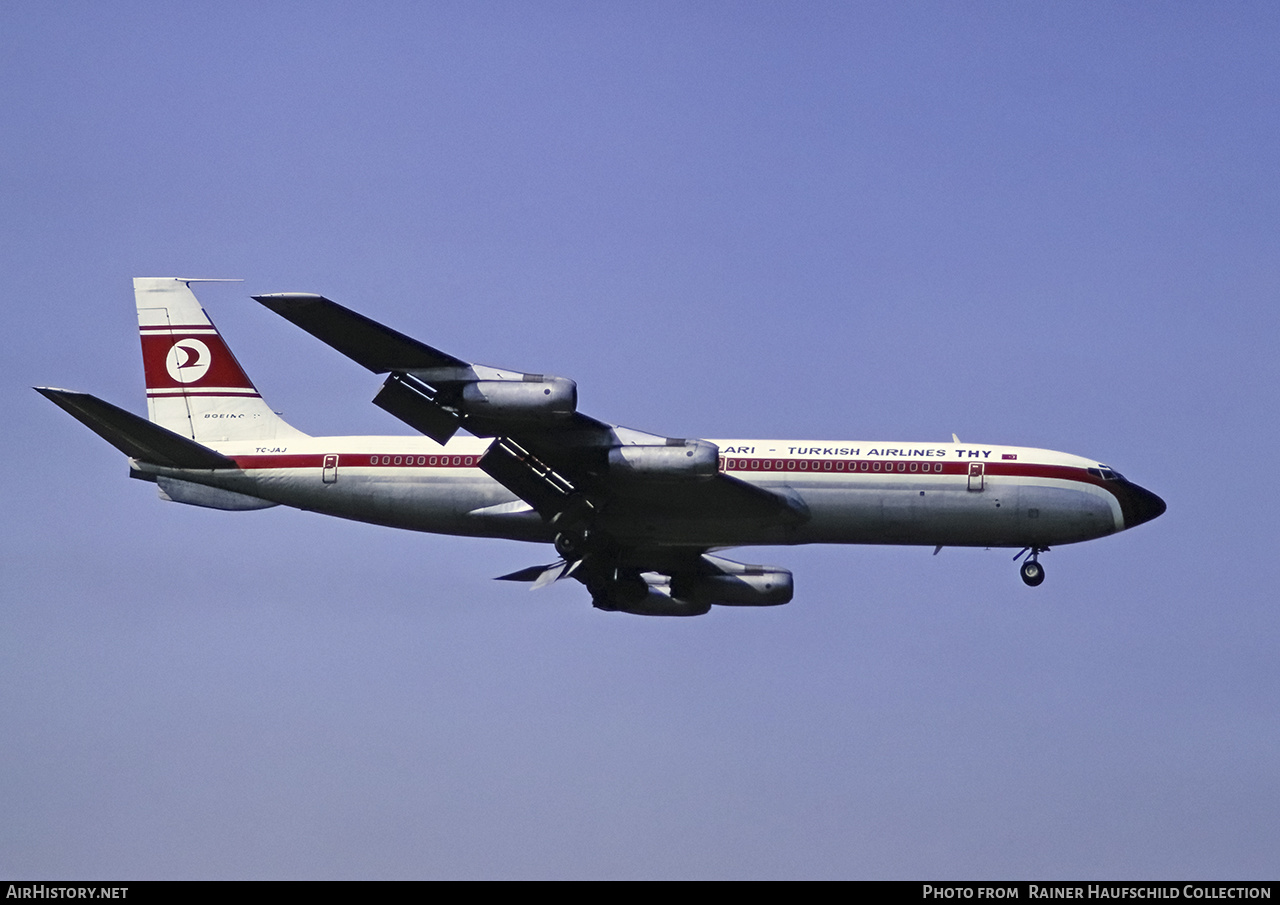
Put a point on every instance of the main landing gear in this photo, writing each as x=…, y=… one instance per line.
x=572, y=544
x=1032, y=572
x=573, y=527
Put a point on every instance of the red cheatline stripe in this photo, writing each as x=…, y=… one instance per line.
x=354, y=460
x=738, y=465
x=733, y=465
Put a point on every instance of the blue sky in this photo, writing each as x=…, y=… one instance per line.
x=1048, y=225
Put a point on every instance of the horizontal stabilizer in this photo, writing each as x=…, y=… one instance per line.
x=365, y=341
x=136, y=437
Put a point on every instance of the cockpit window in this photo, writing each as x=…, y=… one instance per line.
x=1107, y=474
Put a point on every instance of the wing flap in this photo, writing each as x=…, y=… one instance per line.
x=408, y=399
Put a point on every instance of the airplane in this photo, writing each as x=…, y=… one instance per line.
x=638, y=518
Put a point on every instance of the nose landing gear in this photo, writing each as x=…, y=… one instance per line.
x=1032, y=572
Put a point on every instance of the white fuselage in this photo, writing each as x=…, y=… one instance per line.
x=850, y=492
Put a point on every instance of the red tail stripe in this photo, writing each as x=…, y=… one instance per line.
x=204, y=360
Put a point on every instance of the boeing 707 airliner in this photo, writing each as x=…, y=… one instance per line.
x=633, y=516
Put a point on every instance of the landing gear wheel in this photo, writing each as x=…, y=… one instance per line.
x=570, y=544
x=1032, y=573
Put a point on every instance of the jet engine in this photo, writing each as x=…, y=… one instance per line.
x=727, y=583
x=437, y=406
x=535, y=397
x=654, y=602
x=677, y=460
x=760, y=587
x=640, y=595
x=718, y=582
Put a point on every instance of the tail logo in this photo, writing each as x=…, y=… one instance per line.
x=188, y=360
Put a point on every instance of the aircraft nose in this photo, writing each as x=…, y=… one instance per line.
x=1139, y=505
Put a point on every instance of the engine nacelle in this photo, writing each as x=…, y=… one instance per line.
x=641, y=596
x=655, y=603
x=678, y=460
x=536, y=397
x=724, y=582
x=762, y=587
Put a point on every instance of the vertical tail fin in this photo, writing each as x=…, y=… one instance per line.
x=195, y=386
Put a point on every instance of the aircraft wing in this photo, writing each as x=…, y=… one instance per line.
x=364, y=341
x=430, y=390
x=569, y=466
